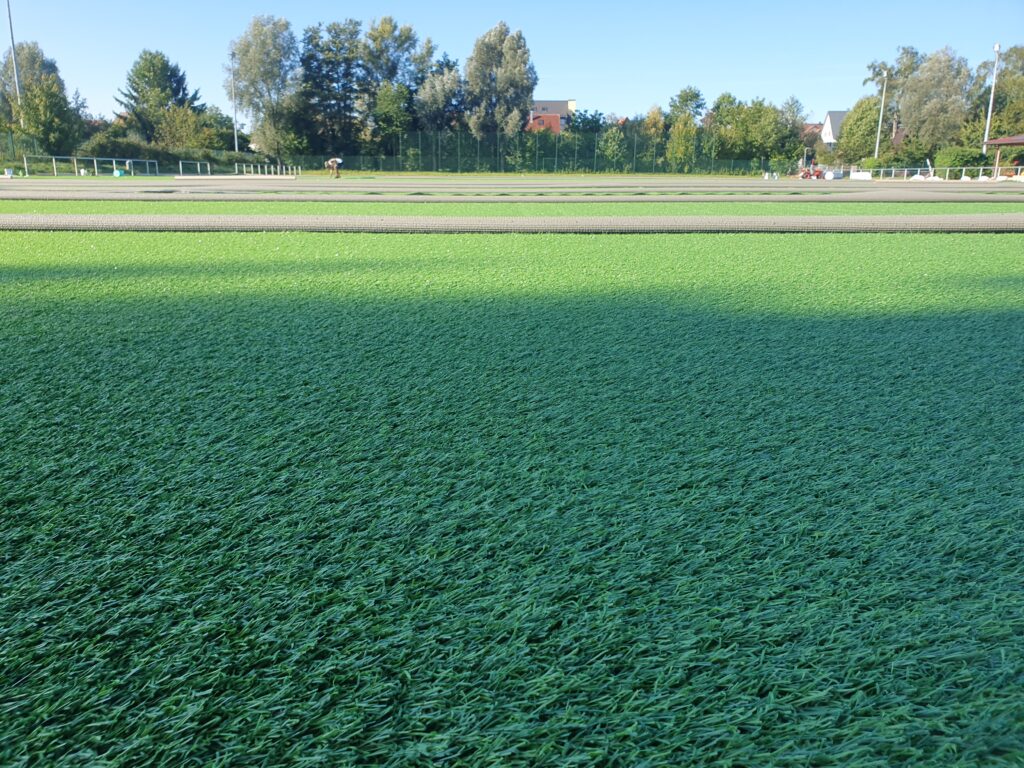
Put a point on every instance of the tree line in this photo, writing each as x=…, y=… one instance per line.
x=342, y=88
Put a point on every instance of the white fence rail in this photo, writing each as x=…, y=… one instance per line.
x=955, y=173
x=260, y=169
x=66, y=165
x=194, y=168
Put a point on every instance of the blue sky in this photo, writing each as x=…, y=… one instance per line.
x=618, y=58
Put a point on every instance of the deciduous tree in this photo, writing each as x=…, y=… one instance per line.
x=33, y=65
x=266, y=79
x=439, y=100
x=499, y=82
x=933, y=100
x=47, y=116
x=860, y=126
x=332, y=75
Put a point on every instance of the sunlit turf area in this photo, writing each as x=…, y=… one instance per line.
x=428, y=207
x=307, y=499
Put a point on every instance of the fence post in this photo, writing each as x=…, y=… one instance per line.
x=54, y=165
x=25, y=160
x=95, y=166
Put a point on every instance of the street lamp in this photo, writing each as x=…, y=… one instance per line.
x=14, y=62
x=234, y=104
x=881, y=109
x=991, y=100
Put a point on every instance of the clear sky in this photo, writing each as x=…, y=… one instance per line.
x=619, y=58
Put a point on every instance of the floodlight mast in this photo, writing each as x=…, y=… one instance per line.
x=881, y=110
x=14, y=62
x=991, y=101
x=234, y=104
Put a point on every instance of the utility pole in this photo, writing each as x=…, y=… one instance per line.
x=881, y=109
x=14, y=61
x=234, y=104
x=991, y=99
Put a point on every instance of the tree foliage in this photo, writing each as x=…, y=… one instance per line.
x=154, y=86
x=332, y=76
x=612, y=148
x=47, y=115
x=688, y=104
x=266, y=65
x=391, y=117
x=439, y=100
x=392, y=54
x=33, y=65
x=681, y=147
x=499, y=82
x=933, y=100
x=860, y=127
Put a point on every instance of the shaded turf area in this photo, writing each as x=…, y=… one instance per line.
x=300, y=499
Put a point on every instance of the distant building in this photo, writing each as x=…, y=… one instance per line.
x=831, y=128
x=551, y=115
x=811, y=133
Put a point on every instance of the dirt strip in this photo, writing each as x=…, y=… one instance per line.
x=1004, y=222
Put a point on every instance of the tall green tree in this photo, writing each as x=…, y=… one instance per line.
x=681, y=147
x=860, y=126
x=499, y=82
x=155, y=84
x=895, y=76
x=266, y=66
x=763, y=131
x=688, y=104
x=33, y=65
x=933, y=100
x=393, y=54
x=723, y=132
x=652, y=129
x=611, y=147
x=332, y=75
x=391, y=117
x=48, y=116
x=439, y=100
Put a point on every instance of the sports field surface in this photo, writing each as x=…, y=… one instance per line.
x=299, y=498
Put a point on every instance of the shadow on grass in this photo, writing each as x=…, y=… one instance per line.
x=510, y=531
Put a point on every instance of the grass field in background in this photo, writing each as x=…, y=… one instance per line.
x=509, y=209
x=307, y=499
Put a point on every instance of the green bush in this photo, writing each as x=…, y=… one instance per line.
x=959, y=157
x=109, y=144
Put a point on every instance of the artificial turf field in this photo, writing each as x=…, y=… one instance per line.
x=308, y=499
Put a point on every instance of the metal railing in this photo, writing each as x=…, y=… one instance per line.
x=952, y=173
x=264, y=169
x=67, y=165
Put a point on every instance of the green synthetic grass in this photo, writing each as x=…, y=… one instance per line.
x=306, y=499
x=264, y=206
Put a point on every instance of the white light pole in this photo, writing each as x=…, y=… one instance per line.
x=234, y=104
x=991, y=100
x=881, y=109
x=14, y=60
